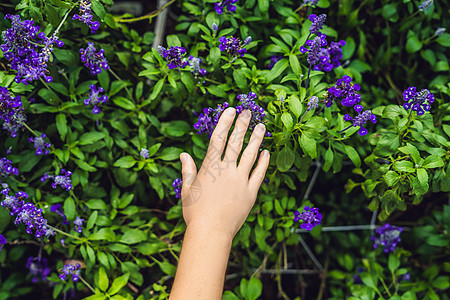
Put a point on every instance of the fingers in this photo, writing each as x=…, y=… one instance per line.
x=219, y=135
x=188, y=169
x=236, y=139
x=251, y=151
x=259, y=172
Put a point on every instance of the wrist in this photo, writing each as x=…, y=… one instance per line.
x=209, y=232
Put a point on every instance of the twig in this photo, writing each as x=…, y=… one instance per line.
x=313, y=181
x=147, y=16
x=310, y=253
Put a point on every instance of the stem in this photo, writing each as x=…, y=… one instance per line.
x=345, y=129
x=118, y=78
x=87, y=284
x=385, y=287
x=64, y=233
x=45, y=83
x=64, y=19
x=147, y=16
x=303, y=116
x=31, y=130
x=307, y=79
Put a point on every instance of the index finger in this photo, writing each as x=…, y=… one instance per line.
x=219, y=135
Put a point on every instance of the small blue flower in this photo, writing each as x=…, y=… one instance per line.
x=70, y=270
x=144, y=153
x=310, y=217
x=2, y=241
x=40, y=144
x=177, y=184
x=174, y=56
x=388, y=236
x=78, y=223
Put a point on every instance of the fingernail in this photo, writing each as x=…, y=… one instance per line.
x=230, y=111
x=265, y=153
x=183, y=157
x=246, y=114
x=260, y=127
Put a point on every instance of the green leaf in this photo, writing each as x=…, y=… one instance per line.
x=442, y=282
x=103, y=259
x=90, y=137
x=413, y=44
x=263, y=6
x=98, y=8
x=125, y=162
x=217, y=91
x=70, y=209
x=188, y=81
x=411, y=150
x=157, y=89
x=444, y=40
x=393, y=263
x=103, y=234
x=96, y=297
x=329, y=156
x=295, y=65
x=295, y=105
x=61, y=125
x=170, y=153
x=422, y=176
x=118, y=284
x=254, y=289
x=353, y=155
x=167, y=268
x=391, y=178
x=404, y=166
x=92, y=219
x=133, y=236
x=277, y=69
x=84, y=165
x=285, y=159
x=433, y=161
x=124, y=103
x=287, y=120
x=240, y=79
x=176, y=128
x=309, y=145
x=103, y=281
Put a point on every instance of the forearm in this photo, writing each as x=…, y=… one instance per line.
x=202, y=266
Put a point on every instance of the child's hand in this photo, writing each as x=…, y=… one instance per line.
x=220, y=196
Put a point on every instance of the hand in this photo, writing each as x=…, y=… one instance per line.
x=221, y=195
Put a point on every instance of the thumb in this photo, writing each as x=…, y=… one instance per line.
x=188, y=169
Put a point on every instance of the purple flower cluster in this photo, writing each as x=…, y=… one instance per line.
x=69, y=270
x=207, y=120
x=27, y=213
x=173, y=56
x=57, y=208
x=38, y=267
x=94, y=98
x=177, y=183
x=247, y=102
x=40, y=145
x=273, y=60
x=94, y=61
x=62, y=179
x=2, y=241
x=11, y=112
x=85, y=15
x=225, y=3
x=234, y=46
x=144, y=153
x=317, y=23
x=310, y=2
x=194, y=63
x=425, y=5
x=345, y=91
x=313, y=103
x=310, y=217
x=388, y=236
x=78, y=224
x=320, y=58
x=361, y=118
x=21, y=47
x=418, y=101
x=6, y=168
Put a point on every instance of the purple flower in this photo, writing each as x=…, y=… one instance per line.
x=313, y=103
x=425, y=5
x=6, y=168
x=214, y=28
x=57, y=208
x=310, y=2
x=62, y=179
x=78, y=223
x=440, y=31
x=40, y=145
x=345, y=91
x=85, y=15
x=28, y=56
x=356, y=278
x=26, y=213
x=69, y=270
x=361, y=119
x=225, y=3
x=273, y=60
x=320, y=58
x=419, y=101
x=144, y=153
x=310, y=217
x=2, y=241
x=315, y=47
x=388, y=236
x=405, y=277
x=194, y=63
x=177, y=184
x=207, y=120
x=317, y=23
x=233, y=46
x=11, y=112
x=94, y=61
x=173, y=56
x=38, y=268
x=247, y=102
x=94, y=98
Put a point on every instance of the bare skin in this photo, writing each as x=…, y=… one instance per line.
x=216, y=202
